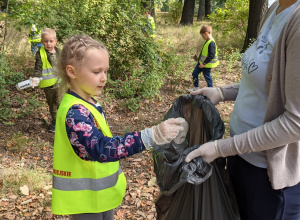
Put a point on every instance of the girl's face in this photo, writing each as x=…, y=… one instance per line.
x=89, y=77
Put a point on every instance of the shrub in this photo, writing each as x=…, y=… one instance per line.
x=175, y=11
x=120, y=25
x=7, y=78
x=13, y=104
x=231, y=22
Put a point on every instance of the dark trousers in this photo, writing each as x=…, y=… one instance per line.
x=206, y=74
x=35, y=46
x=51, y=93
x=256, y=199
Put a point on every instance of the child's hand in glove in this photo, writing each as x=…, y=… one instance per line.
x=164, y=132
x=182, y=134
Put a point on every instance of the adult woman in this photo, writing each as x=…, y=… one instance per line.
x=265, y=123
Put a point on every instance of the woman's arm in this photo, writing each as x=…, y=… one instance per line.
x=230, y=92
x=283, y=107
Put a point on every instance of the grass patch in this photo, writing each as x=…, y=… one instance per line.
x=17, y=142
x=14, y=178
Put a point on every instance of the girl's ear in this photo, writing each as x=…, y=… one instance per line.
x=71, y=71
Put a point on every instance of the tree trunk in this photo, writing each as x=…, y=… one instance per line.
x=200, y=10
x=257, y=10
x=207, y=8
x=187, y=16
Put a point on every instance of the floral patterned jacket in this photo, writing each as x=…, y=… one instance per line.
x=90, y=144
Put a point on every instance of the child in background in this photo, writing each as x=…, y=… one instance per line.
x=151, y=24
x=207, y=59
x=45, y=67
x=34, y=38
x=88, y=182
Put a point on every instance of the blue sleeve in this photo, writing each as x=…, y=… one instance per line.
x=211, y=52
x=89, y=143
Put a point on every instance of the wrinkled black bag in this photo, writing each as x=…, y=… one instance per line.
x=195, y=190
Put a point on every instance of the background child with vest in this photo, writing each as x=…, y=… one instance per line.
x=88, y=182
x=207, y=59
x=34, y=38
x=151, y=24
x=45, y=67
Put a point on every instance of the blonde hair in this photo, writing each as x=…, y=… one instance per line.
x=73, y=52
x=48, y=31
x=206, y=28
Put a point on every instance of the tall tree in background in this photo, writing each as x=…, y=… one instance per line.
x=257, y=10
x=200, y=10
x=207, y=8
x=187, y=12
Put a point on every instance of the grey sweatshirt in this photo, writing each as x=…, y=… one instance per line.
x=279, y=136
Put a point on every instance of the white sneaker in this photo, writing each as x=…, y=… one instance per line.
x=193, y=89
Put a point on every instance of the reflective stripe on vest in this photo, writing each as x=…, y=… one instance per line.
x=49, y=79
x=36, y=36
x=204, y=54
x=81, y=186
x=47, y=71
x=86, y=183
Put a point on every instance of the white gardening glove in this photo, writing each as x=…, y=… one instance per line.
x=182, y=134
x=213, y=94
x=208, y=151
x=162, y=133
x=35, y=81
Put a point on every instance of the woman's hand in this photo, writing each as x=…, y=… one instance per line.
x=213, y=94
x=208, y=151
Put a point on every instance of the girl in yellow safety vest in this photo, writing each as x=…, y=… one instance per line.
x=88, y=182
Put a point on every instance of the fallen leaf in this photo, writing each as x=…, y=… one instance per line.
x=152, y=182
x=24, y=190
x=138, y=159
x=27, y=214
x=151, y=216
x=119, y=214
x=47, y=209
x=26, y=202
x=4, y=203
x=147, y=190
x=10, y=216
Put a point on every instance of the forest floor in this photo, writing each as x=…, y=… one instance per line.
x=26, y=146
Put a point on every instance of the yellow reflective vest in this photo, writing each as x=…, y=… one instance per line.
x=49, y=79
x=34, y=34
x=204, y=54
x=81, y=186
x=152, y=25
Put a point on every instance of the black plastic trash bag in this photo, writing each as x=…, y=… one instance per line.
x=195, y=190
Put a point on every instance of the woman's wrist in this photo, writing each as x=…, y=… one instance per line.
x=221, y=94
x=217, y=148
